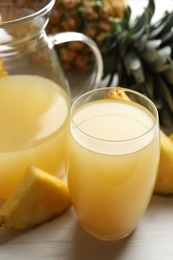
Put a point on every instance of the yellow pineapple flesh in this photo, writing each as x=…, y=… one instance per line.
x=164, y=182
x=118, y=93
x=39, y=197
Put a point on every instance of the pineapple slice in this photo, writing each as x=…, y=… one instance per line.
x=164, y=182
x=38, y=198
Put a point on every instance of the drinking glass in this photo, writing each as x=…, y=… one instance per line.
x=112, y=156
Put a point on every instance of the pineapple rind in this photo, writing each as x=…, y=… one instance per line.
x=90, y=17
x=39, y=198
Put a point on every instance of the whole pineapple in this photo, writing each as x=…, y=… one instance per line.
x=91, y=17
x=140, y=54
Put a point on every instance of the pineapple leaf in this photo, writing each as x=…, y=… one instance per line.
x=149, y=55
x=134, y=67
x=149, y=88
x=167, y=39
x=163, y=61
x=153, y=44
x=164, y=28
x=137, y=35
x=150, y=9
x=141, y=44
x=168, y=74
x=165, y=92
x=159, y=22
x=144, y=20
x=127, y=14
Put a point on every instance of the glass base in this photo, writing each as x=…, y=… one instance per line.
x=106, y=237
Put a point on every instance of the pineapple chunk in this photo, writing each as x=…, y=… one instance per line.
x=164, y=182
x=38, y=198
x=118, y=93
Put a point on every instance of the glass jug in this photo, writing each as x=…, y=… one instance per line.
x=35, y=96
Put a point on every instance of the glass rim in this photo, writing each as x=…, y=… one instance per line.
x=155, y=123
x=45, y=9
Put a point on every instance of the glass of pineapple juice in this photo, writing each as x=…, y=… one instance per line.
x=112, y=157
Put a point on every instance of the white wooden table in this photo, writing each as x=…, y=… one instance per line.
x=64, y=239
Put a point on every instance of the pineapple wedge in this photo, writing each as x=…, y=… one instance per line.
x=164, y=182
x=38, y=198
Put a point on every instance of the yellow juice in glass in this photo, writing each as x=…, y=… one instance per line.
x=111, y=174
x=33, y=117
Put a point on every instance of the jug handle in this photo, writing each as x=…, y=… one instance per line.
x=64, y=37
